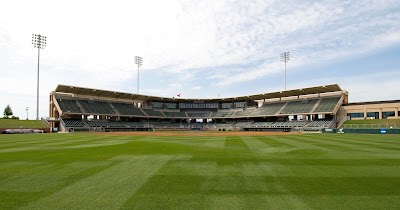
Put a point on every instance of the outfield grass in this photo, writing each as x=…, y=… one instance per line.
x=12, y=123
x=375, y=121
x=91, y=171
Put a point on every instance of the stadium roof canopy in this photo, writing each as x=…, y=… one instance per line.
x=137, y=97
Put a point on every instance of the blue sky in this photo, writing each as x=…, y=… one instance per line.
x=199, y=49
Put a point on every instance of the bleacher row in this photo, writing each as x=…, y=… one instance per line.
x=120, y=124
x=95, y=107
x=291, y=124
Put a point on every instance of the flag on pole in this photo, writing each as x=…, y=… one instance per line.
x=179, y=95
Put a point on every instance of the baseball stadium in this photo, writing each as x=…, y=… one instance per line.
x=186, y=105
x=296, y=149
x=314, y=109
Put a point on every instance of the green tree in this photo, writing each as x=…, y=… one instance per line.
x=8, y=111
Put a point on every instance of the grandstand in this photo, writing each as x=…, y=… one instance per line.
x=87, y=109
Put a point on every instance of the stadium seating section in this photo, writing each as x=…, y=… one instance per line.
x=199, y=114
x=69, y=105
x=327, y=104
x=268, y=109
x=96, y=107
x=244, y=113
x=222, y=113
x=74, y=123
x=296, y=107
x=153, y=113
x=176, y=114
x=231, y=118
x=127, y=109
x=307, y=125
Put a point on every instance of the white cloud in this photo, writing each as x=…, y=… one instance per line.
x=379, y=86
x=193, y=44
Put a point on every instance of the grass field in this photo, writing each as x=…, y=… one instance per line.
x=12, y=123
x=375, y=121
x=95, y=171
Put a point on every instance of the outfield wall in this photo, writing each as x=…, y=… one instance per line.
x=372, y=131
x=364, y=130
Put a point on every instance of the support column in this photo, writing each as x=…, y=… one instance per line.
x=396, y=112
x=365, y=113
x=380, y=113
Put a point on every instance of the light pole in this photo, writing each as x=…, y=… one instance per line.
x=39, y=42
x=285, y=59
x=26, y=113
x=139, y=62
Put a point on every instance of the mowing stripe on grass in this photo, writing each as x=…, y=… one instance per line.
x=215, y=142
x=49, y=142
x=182, y=141
x=333, y=149
x=98, y=144
x=302, y=145
x=254, y=144
x=326, y=142
x=42, y=177
x=64, y=145
x=357, y=147
x=273, y=202
x=366, y=142
x=330, y=171
x=29, y=181
x=257, y=145
x=274, y=194
x=235, y=142
x=108, y=189
x=273, y=141
x=268, y=169
x=7, y=165
x=352, y=202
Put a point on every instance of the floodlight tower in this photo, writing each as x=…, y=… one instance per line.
x=39, y=42
x=139, y=62
x=285, y=59
x=27, y=113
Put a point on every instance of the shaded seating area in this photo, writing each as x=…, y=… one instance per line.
x=127, y=109
x=242, y=124
x=268, y=109
x=175, y=114
x=96, y=107
x=320, y=123
x=290, y=124
x=222, y=113
x=68, y=105
x=327, y=104
x=106, y=124
x=199, y=114
x=153, y=113
x=73, y=123
x=133, y=124
x=260, y=125
x=302, y=106
x=244, y=113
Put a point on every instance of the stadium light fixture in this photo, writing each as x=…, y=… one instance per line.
x=139, y=62
x=39, y=42
x=285, y=59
